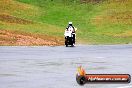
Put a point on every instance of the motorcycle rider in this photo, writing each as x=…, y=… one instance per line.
x=71, y=28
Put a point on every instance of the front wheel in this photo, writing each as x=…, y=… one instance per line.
x=66, y=45
x=66, y=41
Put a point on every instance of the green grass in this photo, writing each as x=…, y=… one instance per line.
x=97, y=23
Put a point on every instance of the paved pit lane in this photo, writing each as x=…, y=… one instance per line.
x=56, y=67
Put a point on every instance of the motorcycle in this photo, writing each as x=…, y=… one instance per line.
x=69, y=38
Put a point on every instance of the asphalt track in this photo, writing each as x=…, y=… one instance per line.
x=55, y=67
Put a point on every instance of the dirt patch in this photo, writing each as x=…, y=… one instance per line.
x=27, y=39
x=12, y=19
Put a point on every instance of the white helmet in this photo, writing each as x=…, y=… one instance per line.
x=70, y=22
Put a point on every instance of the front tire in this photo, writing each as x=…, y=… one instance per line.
x=66, y=41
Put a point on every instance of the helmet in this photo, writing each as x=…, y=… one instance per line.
x=70, y=22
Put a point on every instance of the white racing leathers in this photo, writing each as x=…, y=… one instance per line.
x=69, y=32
